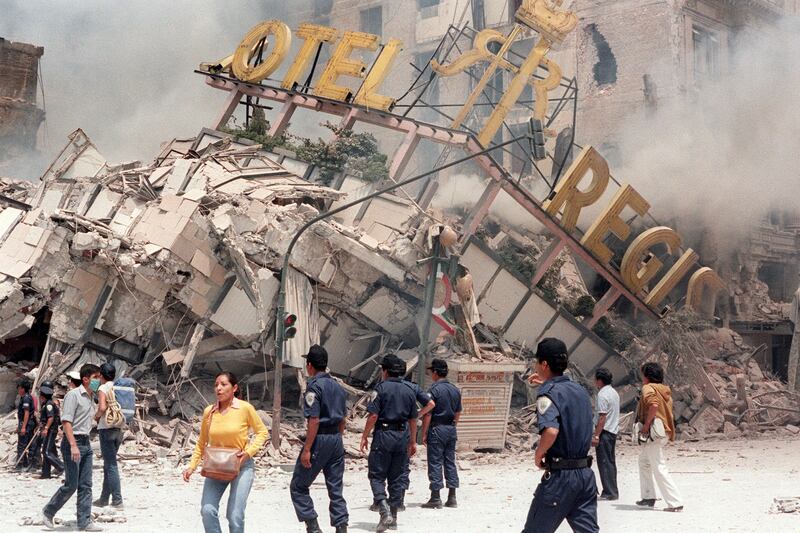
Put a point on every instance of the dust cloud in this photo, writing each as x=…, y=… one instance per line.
x=123, y=71
x=724, y=156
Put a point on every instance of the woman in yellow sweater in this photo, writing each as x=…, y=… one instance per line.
x=232, y=420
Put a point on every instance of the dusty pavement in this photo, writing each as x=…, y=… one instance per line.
x=727, y=486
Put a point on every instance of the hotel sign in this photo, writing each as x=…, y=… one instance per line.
x=639, y=268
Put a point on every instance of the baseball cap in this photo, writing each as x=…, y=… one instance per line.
x=317, y=356
x=438, y=365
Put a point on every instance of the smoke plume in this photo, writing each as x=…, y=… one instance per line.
x=725, y=156
x=123, y=71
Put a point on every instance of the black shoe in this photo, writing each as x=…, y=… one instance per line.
x=393, y=525
x=646, y=503
x=374, y=507
x=386, y=517
x=402, y=505
x=99, y=502
x=312, y=526
x=677, y=509
x=341, y=529
x=435, y=502
x=451, y=499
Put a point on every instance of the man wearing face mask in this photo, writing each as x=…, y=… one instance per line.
x=76, y=420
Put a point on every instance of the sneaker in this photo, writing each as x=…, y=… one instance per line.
x=92, y=526
x=47, y=522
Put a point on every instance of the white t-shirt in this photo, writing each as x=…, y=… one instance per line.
x=608, y=403
x=105, y=387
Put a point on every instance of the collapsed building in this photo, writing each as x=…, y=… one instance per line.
x=170, y=269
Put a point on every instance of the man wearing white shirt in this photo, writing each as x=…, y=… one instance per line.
x=605, y=433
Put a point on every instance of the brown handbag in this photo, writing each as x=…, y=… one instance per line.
x=220, y=463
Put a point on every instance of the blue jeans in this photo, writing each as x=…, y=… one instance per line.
x=237, y=500
x=110, y=441
x=77, y=476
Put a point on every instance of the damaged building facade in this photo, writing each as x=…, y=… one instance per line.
x=20, y=115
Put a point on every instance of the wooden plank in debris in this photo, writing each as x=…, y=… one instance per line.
x=191, y=350
x=465, y=333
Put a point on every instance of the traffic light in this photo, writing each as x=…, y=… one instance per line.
x=536, y=130
x=289, y=329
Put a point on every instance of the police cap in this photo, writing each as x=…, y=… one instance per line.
x=317, y=356
x=47, y=391
x=439, y=366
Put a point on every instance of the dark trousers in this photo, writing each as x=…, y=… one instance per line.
x=607, y=464
x=327, y=456
x=442, y=456
x=23, y=457
x=50, y=455
x=35, y=451
x=77, y=477
x=386, y=463
x=564, y=494
x=110, y=441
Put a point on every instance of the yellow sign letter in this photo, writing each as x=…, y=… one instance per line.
x=341, y=64
x=368, y=94
x=567, y=194
x=636, y=273
x=241, y=58
x=314, y=35
x=610, y=222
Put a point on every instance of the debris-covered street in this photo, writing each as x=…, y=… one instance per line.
x=729, y=486
x=252, y=250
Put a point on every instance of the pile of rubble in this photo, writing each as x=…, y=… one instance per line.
x=717, y=385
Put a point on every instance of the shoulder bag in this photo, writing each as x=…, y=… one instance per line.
x=219, y=463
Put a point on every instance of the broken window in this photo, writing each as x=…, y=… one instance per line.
x=372, y=20
x=428, y=8
x=605, y=69
x=705, y=45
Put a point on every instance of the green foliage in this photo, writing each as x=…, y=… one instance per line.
x=582, y=307
x=549, y=282
x=356, y=153
x=617, y=337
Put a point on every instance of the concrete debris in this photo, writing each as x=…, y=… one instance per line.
x=786, y=505
x=171, y=270
x=718, y=387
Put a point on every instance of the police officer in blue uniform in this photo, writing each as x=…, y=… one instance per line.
x=26, y=423
x=568, y=489
x=324, y=406
x=425, y=401
x=49, y=421
x=393, y=414
x=439, y=435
